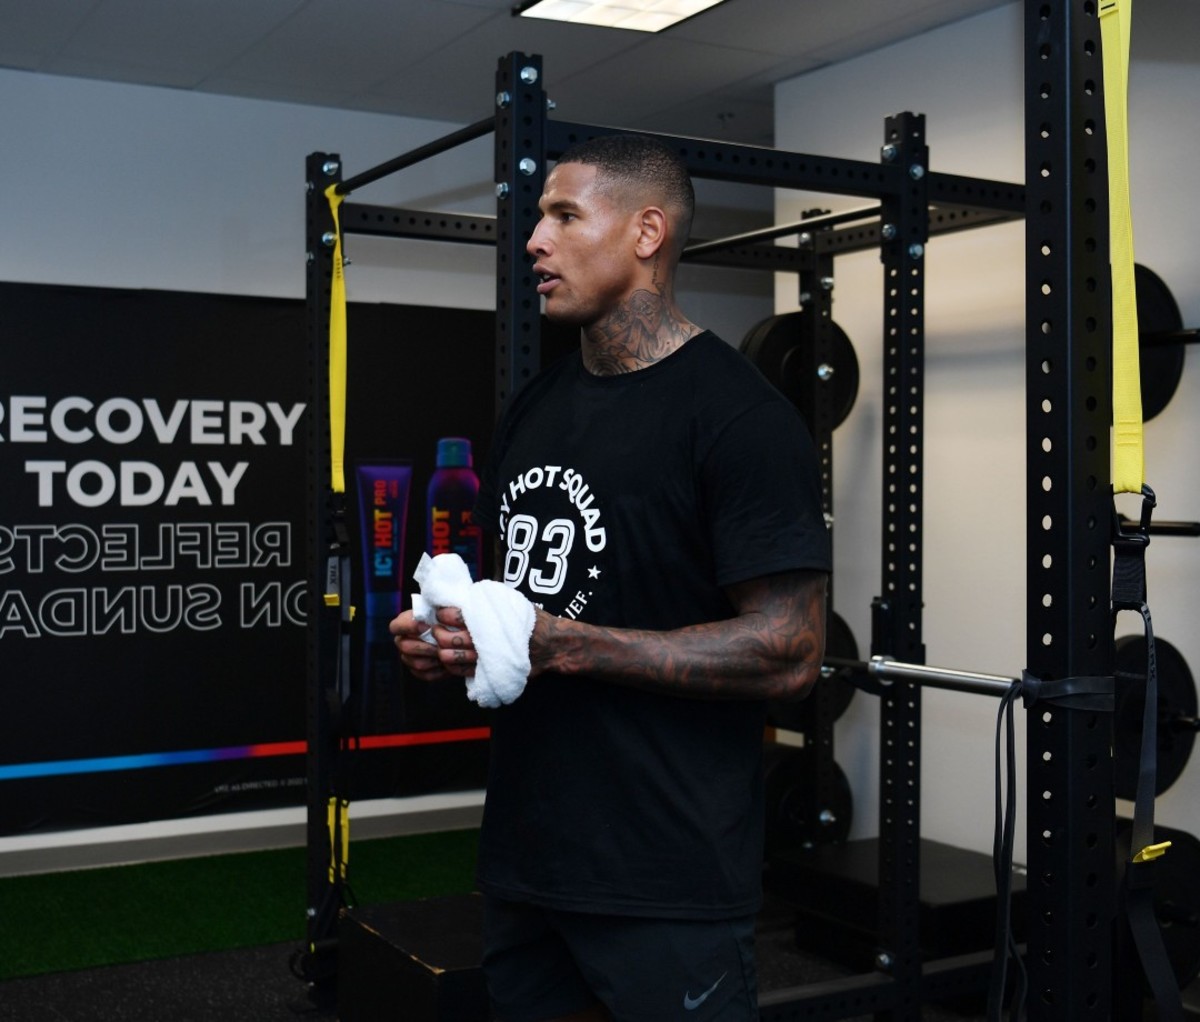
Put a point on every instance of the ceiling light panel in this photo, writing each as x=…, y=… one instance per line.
x=637, y=15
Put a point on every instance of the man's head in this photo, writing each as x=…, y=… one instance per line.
x=615, y=215
x=640, y=170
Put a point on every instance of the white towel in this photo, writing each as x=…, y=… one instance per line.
x=499, y=619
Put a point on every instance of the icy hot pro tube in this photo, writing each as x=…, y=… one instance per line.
x=382, y=517
x=453, y=488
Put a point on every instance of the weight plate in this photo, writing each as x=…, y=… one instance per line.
x=776, y=346
x=1176, y=713
x=788, y=780
x=1161, y=366
x=800, y=714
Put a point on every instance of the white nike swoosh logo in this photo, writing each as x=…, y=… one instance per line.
x=692, y=1003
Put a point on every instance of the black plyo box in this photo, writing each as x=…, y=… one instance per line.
x=416, y=960
x=835, y=892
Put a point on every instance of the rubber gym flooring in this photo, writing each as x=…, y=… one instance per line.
x=256, y=985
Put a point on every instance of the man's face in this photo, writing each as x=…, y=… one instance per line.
x=583, y=247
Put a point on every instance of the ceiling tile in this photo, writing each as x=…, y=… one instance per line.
x=653, y=77
x=39, y=30
x=176, y=41
x=790, y=28
x=743, y=120
x=890, y=24
x=779, y=27
x=33, y=32
x=457, y=81
x=352, y=48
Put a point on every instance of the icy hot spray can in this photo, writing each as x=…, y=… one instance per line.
x=452, y=491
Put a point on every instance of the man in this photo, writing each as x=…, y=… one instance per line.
x=659, y=502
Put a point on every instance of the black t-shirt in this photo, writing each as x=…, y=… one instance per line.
x=632, y=501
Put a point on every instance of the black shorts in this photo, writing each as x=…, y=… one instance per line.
x=541, y=964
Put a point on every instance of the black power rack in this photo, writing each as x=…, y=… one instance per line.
x=1071, y=806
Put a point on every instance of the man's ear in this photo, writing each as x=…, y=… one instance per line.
x=653, y=227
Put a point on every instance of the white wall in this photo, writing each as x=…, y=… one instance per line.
x=115, y=185
x=122, y=186
x=967, y=80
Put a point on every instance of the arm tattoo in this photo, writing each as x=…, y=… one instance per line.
x=771, y=649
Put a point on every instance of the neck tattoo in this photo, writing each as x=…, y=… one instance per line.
x=643, y=330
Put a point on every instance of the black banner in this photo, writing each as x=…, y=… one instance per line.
x=152, y=575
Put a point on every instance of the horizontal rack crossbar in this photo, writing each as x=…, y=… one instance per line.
x=393, y=222
x=727, y=161
x=441, y=145
x=1162, y=528
x=478, y=229
x=782, y=230
x=1169, y=337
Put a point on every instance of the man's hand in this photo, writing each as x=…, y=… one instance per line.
x=453, y=655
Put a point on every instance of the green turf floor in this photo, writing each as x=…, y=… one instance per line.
x=59, y=921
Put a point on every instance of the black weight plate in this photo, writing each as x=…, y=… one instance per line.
x=1161, y=366
x=1176, y=878
x=1176, y=714
x=776, y=346
x=789, y=776
x=800, y=714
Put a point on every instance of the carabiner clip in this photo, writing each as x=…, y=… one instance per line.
x=1149, y=503
x=1129, y=556
x=1139, y=534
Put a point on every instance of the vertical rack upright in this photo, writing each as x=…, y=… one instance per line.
x=520, y=170
x=324, y=760
x=896, y=620
x=1069, y=795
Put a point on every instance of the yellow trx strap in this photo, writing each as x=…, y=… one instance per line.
x=1128, y=463
x=337, y=354
x=1129, y=581
x=338, y=821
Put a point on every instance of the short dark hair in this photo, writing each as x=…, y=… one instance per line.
x=641, y=160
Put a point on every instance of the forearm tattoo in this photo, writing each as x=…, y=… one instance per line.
x=771, y=649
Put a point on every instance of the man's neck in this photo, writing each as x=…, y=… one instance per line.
x=641, y=331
